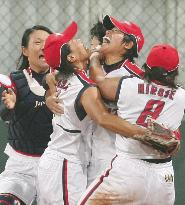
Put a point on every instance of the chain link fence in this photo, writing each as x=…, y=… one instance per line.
x=160, y=20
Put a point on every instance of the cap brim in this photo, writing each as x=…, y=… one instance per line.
x=70, y=31
x=108, y=23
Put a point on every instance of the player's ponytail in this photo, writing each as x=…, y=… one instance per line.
x=66, y=68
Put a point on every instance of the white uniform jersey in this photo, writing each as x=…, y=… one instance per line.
x=137, y=100
x=103, y=137
x=127, y=68
x=68, y=128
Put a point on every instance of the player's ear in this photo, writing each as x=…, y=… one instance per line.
x=24, y=51
x=71, y=58
x=128, y=45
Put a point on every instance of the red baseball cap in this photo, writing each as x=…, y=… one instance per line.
x=127, y=27
x=165, y=56
x=54, y=43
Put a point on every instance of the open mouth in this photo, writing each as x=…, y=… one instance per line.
x=41, y=57
x=106, y=39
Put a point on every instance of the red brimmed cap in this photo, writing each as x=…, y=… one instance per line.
x=54, y=42
x=164, y=56
x=127, y=27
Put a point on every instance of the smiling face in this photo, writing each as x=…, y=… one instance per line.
x=34, y=51
x=113, y=42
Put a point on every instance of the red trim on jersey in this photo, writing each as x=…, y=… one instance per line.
x=13, y=85
x=177, y=134
x=97, y=185
x=29, y=70
x=84, y=76
x=5, y=202
x=26, y=154
x=65, y=185
x=7, y=86
x=134, y=68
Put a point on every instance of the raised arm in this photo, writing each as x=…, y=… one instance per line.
x=52, y=102
x=108, y=86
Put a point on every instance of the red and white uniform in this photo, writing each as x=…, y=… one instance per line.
x=61, y=178
x=161, y=103
x=103, y=138
x=132, y=178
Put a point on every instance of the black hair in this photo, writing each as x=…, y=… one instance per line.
x=22, y=61
x=66, y=68
x=98, y=30
x=131, y=53
x=159, y=74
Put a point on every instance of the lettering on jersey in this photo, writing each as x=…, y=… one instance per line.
x=63, y=84
x=154, y=90
x=39, y=104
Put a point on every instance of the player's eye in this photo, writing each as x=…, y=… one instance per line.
x=115, y=30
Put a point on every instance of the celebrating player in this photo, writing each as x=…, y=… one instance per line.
x=141, y=174
x=60, y=177
x=30, y=123
x=122, y=42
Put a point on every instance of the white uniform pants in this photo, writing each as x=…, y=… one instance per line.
x=132, y=182
x=96, y=168
x=19, y=178
x=59, y=181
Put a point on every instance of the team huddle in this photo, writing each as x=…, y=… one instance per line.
x=88, y=125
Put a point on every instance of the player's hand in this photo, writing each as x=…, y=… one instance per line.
x=95, y=55
x=9, y=98
x=52, y=103
x=96, y=49
x=51, y=81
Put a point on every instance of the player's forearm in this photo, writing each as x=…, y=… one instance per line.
x=96, y=72
x=119, y=126
x=49, y=82
x=96, y=110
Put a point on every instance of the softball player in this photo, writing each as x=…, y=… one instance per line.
x=30, y=122
x=140, y=174
x=118, y=62
x=60, y=175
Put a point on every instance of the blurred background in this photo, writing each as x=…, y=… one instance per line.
x=160, y=20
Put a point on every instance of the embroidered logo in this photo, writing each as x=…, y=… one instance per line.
x=168, y=177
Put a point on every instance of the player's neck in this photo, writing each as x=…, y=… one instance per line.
x=82, y=65
x=109, y=60
x=38, y=69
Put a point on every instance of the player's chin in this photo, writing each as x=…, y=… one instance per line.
x=44, y=66
x=104, y=48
